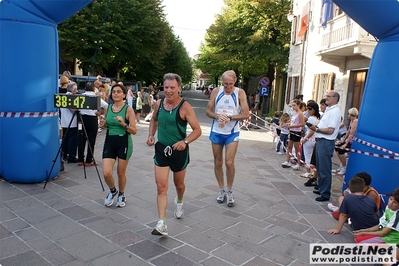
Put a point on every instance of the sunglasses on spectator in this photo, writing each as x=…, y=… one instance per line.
x=310, y=108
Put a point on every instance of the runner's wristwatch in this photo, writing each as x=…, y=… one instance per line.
x=185, y=141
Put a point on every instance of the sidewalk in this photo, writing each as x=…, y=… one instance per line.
x=274, y=219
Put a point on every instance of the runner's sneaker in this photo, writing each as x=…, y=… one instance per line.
x=286, y=164
x=121, y=201
x=179, y=209
x=109, y=200
x=337, y=170
x=332, y=207
x=222, y=196
x=230, y=198
x=279, y=153
x=342, y=171
x=296, y=167
x=160, y=229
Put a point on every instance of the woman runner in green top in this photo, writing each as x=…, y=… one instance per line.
x=121, y=122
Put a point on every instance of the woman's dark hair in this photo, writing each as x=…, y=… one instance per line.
x=366, y=177
x=89, y=86
x=297, y=102
x=315, y=107
x=120, y=86
x=299, y=97
x=323, y=101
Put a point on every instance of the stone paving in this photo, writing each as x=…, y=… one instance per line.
x=273, y=222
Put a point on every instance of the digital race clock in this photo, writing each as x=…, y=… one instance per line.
x=76, y=101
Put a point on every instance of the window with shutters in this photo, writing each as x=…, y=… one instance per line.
x=292, y=88
x=322, y=83
x=315, y=91
x=295, y=39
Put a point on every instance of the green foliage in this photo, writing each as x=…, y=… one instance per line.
x=250, y=36
x=177, y=60
x=135, y=40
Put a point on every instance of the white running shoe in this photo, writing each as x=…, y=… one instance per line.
x=306, y=175
x=286, y=164
x=279, y=153
x=109, y=200
x=222, y=196
x=179, y=210
x=337, y=170
x=332, y=207
x=121, y=201
x=342, y=171
x=296, y=167
x=160, y=229
x=230, y=199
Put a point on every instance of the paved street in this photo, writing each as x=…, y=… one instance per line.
x=274, y=219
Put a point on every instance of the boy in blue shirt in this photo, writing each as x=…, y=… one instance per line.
x=362, y=209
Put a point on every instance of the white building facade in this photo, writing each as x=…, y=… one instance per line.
x=333, y=57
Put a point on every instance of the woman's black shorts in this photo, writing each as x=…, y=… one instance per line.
x=295, y=136
x=118, y=146
x=342, y=151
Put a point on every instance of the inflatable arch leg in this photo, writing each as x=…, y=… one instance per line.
x=29, y=127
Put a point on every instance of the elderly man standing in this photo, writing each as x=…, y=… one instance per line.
x=326, y=132
x=227, y=106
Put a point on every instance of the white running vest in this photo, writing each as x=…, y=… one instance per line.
x=229, y=105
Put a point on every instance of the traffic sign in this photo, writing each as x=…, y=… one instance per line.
x=264, y=90
x=264, y=81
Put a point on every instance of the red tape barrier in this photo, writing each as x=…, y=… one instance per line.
x=27, y=114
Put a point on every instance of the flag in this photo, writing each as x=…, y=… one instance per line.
x=304, y=20
x=327, y=12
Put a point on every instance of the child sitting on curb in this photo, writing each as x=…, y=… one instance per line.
x=361, y=208
x=368, y=191
x=387, y=231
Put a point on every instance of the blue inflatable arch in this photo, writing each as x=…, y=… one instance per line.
x=29, y=128
x=378, y=123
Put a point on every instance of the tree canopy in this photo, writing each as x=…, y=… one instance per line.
x=126, y=38
x=250, y=36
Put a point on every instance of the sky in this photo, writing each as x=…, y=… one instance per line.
x=190, y=19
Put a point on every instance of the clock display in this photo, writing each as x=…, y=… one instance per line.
x=76, y=101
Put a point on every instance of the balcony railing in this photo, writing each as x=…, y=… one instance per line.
x=342, y=31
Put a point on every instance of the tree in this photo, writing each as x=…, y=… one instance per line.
x=177, y=59
x=250, y=36
x=126, y=38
